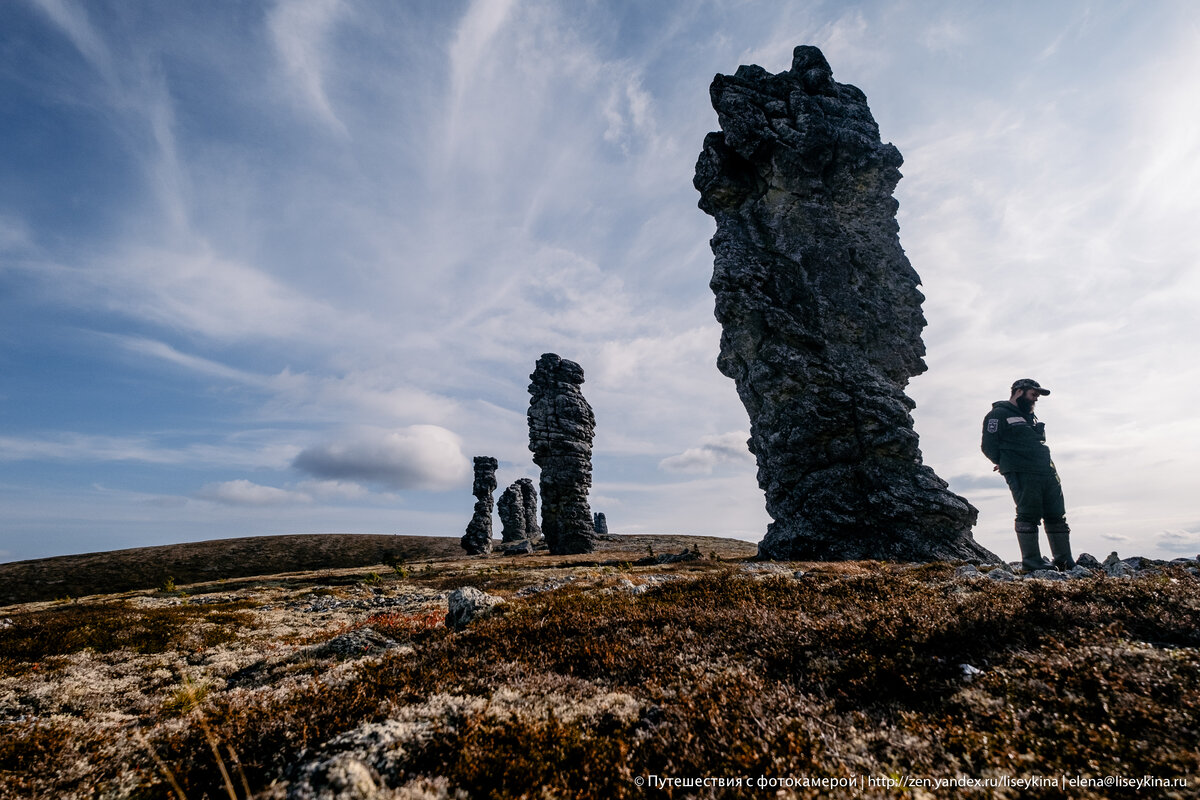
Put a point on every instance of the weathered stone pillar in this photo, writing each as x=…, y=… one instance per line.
x=478, y=538
x=821, y=319
x=600, y=523
x=518, y=512
x=561, y=427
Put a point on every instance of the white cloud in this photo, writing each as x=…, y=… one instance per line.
x=377, y=395
x=416, y=457
x=730, y=505
x=1180, y=542
x=713, y=450
x=478, y=27
x=518, y=182
x=201, y=292
x=333, y=490
x=73, y=22
x=82, y=447
x=15, y=236
x=300, y=30
x=247, y=449
x=242, y=492
x=204, y=366
x=136, y=102
x=943, y=35
x=194, y=291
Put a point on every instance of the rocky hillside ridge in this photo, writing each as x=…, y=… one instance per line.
x=504, y=677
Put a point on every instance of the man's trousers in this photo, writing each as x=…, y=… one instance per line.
x=1038, y=497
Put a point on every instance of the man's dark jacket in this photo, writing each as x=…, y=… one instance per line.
x=1016, y=441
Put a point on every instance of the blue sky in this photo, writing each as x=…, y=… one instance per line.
x=285, y=267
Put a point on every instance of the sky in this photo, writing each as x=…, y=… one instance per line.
x=285, y=267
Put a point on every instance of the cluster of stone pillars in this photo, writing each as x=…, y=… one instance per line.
x=561, y=428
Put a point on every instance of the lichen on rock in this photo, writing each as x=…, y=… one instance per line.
x=821, y=319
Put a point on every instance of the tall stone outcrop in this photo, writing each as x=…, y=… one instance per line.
x=561, y=427
x=600, y=523
x=518, y=512
x=822, y=319
x=478, y=538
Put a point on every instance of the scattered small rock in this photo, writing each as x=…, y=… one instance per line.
x=635, y=588
x=468, y=604
x=766, y=568
x=1119, y=569
x=213, y=600
x=521, y=548
x=968, y=571
x=1001, y=574
x=1048, y=575
x=672, y=558
x=327, y=603
x=364, y=641
x=349, y=766
x=549, y=586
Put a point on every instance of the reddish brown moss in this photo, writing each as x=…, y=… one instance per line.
x=830, y=675
x=118, y=626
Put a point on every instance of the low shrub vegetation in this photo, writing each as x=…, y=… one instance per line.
x=107, y=627
x=579, y=692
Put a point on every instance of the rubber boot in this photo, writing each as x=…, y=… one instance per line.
x=1031, y=554
x=1060, y=546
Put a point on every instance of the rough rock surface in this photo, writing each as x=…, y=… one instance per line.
x=600, y=523
x=467, y=604
x=822, y=319
x=561, y=427
x=1089, y=568
x=354, y=765
x=478, y=538
x=525, y=547
x=518, y=512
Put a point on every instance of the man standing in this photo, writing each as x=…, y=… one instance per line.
x=1015, y=442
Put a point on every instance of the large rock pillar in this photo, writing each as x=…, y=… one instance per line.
x=518, y=512
x=478, y=538
x=821, y=319
x=561, y=426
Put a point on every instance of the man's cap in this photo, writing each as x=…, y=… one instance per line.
x=1028, y=383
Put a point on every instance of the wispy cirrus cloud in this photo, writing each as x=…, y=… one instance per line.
x=72, y=19
x=284, y=219
x=300, y=30
x=242, y=492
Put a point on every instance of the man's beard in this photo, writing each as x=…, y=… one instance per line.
x=1025, y=404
